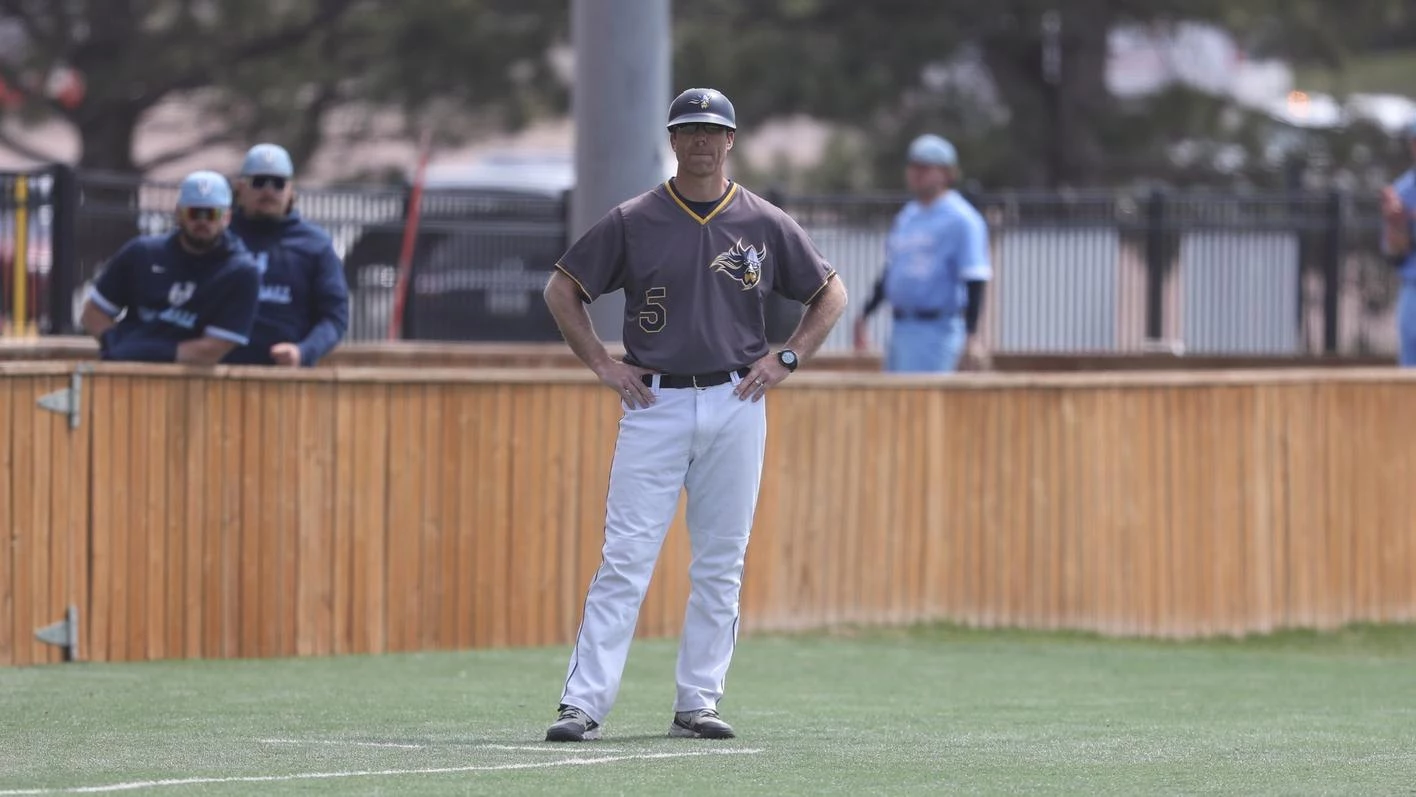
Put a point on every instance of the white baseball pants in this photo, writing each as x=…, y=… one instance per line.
x=711, y=443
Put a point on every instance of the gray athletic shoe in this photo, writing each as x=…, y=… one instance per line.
x=701, y=724
x=574, y=725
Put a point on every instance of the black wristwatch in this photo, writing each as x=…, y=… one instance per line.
x=788, y=359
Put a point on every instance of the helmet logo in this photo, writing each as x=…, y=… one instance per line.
x=702, y=101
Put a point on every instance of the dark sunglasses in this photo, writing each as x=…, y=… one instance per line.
x=261, y=181
x=696, y=127
x=202, y=214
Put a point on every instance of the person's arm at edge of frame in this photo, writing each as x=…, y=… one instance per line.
x=978, y=356
x=861, y=338
x=95, y=321
x=567, y=305
x=108, y=296
x=822, y=313
x=205, y=350
x=332, y=306
x=1396, y=227
x=237, y=318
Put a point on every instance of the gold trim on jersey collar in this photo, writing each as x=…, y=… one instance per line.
x=722, y=203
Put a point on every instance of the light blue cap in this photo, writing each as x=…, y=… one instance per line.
x=204, y=189
x=268, y=159
x=932, y=150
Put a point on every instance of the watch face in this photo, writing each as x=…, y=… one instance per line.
x=788, y=358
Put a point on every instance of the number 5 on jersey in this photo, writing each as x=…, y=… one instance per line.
x=652, y=317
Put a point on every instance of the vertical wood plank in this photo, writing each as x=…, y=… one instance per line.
x=372, y=520
x=234, y=487
x=136, y=458
x=268, y=465
x=119, y=486
x=178, y=426
x=427, y=428
x=469, y=408
x=33, y=529
x=314, y=508
x=346, y=452
x=853, y=452
x=448, y=473
x=153, y=515
x=906, y=588
x=574, y=413
x=493, y=549
x=254, y=519
x=405, y=517
x=195, y=398
x=62, y=497
x=8, y=411
x=287, y=527
x=210, y=512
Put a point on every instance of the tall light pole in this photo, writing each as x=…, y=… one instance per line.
x=620, y=103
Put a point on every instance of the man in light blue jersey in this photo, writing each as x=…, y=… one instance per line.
x=936, y=266
x=1398, y=232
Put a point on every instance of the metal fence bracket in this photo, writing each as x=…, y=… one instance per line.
x=64, y=633
x=66, y=401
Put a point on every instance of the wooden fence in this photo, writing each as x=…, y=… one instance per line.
x=229, y=512
x=418, y=354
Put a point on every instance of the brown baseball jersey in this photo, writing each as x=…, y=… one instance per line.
x=695, y=286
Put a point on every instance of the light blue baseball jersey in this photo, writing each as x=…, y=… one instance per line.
x=932, y=251
x=1405, y=186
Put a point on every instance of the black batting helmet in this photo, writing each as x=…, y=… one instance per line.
x=702, y=105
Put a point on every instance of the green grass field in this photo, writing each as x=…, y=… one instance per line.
x=915, y=711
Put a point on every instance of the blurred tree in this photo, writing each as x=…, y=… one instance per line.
x=1020, y=85
x=247, y=70
x=272, y=68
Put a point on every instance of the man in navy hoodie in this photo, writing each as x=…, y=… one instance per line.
x=185, y=297
x=304, y=299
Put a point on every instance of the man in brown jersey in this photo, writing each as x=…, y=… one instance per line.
x=696, y=257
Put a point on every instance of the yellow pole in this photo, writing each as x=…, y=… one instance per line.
x=21, y=322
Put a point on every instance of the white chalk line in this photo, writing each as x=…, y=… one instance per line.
x=410, y=746
x=371, y=773
x=344, y=743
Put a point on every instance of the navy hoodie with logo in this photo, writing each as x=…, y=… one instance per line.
x=171, y=295
x=304, y=298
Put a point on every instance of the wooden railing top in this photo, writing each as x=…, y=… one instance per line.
x=423, y=354
x=821, y=379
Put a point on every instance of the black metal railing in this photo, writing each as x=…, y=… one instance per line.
x=1097, y=271
x=1128, y=271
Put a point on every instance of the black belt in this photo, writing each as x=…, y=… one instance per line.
x=694, y=380
x=919, y=315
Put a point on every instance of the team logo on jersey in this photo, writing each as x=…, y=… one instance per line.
x=180, y=292
x=742, y=263
x=275, y=294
